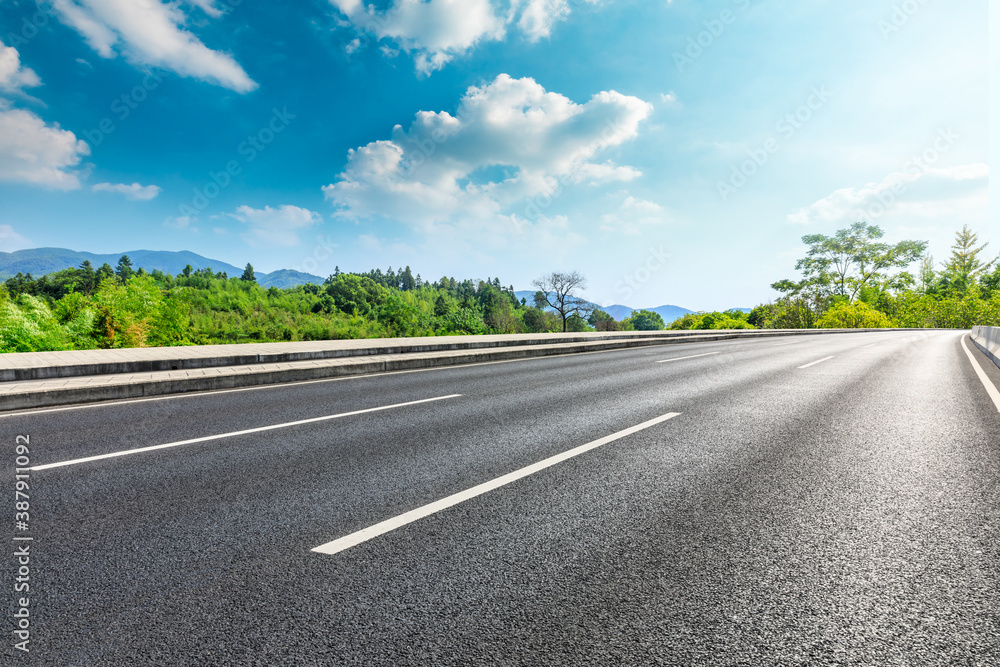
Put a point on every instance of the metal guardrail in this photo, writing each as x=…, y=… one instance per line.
x=987, y=339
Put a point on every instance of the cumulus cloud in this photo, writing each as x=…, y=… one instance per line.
x=150, y=32
x=14, y=76
x=509, y=141
x=434, y=31
x=275, y=226
x=38, y=154
x=539, y=15
x=134, y=191
x=913, y=193
x=437, y=31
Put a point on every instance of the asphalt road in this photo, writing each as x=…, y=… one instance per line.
x=792, y=512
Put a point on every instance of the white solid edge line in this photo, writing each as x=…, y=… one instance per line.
x=233, y=434
x=695, y=356
x=818, y=362
x=389, y=525
x=990, y=387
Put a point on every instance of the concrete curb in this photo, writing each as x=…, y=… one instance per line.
x=21, y=367
x=292, y=367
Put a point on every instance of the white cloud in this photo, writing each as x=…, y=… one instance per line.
x=133, y=191
x=916, y=193
x=275, y=226
x=181, y=222
x=633, y=216
x=39, y=154
x=437, y=31
x=207, y=6
x=539, y=15
x=14, y=76
x=669, y=99
x=509, y=141
x=11, y=240
x=150, y=32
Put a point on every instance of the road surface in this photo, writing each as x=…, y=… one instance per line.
x=828, y=499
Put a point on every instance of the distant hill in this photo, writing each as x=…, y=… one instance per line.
x=529, y=297
x=619, y=312
x=668, y=313
x=526, y=294
x=41, y=261
x=284, y=278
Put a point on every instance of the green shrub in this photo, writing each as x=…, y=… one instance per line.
x=857, y=315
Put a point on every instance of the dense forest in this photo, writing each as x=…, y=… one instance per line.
x=849, y=280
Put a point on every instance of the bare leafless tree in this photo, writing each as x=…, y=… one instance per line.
x=558, y=291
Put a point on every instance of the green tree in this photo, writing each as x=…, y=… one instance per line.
x=87, y=277
x=645, y=320
x=27, y=325
x=576, y=324
x=248, y=275
x=842, y=264
x=989, y=284
x=964, y=268
x=927, y=276
x=124, y=312
x=536, y=320
x=758, y=316
x=603, y=321
x=124, y=270
x=356, y=295
x=103, y=273
x=406, y=280
x=441, y=306
x=497, y=311
x=466, y=321
x=21, y=284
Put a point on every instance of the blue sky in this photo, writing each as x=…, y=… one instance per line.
x=671, y=151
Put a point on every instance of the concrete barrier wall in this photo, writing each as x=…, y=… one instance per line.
x=39, y=379
x=988, y=340
x=24, y=366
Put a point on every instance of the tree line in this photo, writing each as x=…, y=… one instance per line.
x=111, y=307
x=851, y=279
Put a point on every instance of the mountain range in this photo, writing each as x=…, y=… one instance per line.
x=40, y=261
x=668, y=313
